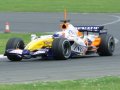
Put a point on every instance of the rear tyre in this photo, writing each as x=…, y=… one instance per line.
x=14, y=43
x=107, y=45
x=61, y=49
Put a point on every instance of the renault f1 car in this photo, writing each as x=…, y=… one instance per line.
x=71, y=41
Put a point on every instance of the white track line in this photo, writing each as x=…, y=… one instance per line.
x=116, y=40
x=2, y=56
x=113, y=22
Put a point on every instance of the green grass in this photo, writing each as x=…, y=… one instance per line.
x=59, y=5
x=105, y=83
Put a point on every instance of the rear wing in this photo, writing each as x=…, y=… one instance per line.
x=94, y=29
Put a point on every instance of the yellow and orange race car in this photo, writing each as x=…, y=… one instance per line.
x=71, y=41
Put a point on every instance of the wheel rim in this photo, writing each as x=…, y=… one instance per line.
x=19, y=45
x=66, y=49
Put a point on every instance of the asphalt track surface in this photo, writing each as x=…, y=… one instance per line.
x=75, y=68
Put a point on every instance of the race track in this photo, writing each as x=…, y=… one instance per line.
x=75, y=68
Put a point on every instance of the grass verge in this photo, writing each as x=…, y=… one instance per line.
x=59, y=5
x=104, y=83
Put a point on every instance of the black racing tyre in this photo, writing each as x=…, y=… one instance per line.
x=61, y=49
x=107, y=45
x=14, y=43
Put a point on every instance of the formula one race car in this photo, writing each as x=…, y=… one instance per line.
x=69, y=42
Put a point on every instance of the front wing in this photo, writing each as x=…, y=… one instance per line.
x=26, y=54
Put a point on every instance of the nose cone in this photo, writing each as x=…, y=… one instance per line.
x=35, y=45
x=39, y=43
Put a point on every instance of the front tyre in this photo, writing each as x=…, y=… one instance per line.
x=61, y=49
x=14, y=43
x=107, y=45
